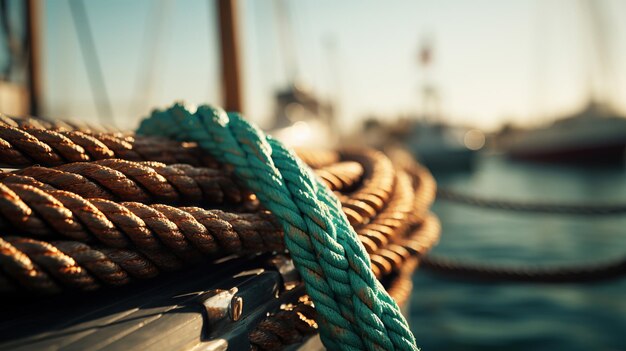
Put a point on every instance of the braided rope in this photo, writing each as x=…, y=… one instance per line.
x=355, y=310
x=276, y=331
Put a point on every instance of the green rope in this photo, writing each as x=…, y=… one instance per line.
x=355, y=311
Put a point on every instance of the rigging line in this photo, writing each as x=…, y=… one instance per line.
x=6, y=29
x=92, y=63
x=152, y=43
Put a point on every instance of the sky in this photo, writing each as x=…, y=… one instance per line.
x=494, y=62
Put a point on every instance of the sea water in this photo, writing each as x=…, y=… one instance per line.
x=458, y=315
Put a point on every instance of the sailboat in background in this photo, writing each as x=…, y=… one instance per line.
x=434, y=142
x=301, y=117
x=597, y=132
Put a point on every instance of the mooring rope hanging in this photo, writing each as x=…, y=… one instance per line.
x=528, y=206
x=592, y=272
x=356, y=312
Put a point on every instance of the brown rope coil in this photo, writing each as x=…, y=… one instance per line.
x=157, y=230
x=30, y=144
x=317, y=158
x=122, y=180
x=290, y=325
x=45, y=267
x=341, y=176
x=376, y=185
x=76, y=201
x=80, y=200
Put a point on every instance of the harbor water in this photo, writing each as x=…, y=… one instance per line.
x=447, y=314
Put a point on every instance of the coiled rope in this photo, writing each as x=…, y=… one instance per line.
x=355, y=311
x=112, y=242
x=147, y=233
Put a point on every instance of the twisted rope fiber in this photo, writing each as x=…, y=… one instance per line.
x=334, y=168
x=393, y=219
x=276, y=331
x=388, y=259
x=317, y=158
x=392, y=256
x=405, y=212
x=102, y=263
x=166, y=235
x=416, y=242
x=28, y=144
x=114, y=179
x=146, y=181
x=290, y=325
x=538, y=207
x=34, y=122
x=317, y=286
x=377, y=185
x=341, y=175
x=355, y=311
x=333, y=204
x=49, y=267
x=293, y=323
x=102, y=230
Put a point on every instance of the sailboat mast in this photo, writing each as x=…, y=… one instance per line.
x=33, y=34
x=231, y=77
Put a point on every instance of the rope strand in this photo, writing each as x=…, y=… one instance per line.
x=57, y=213
x=148, y=182
x=31, y=143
